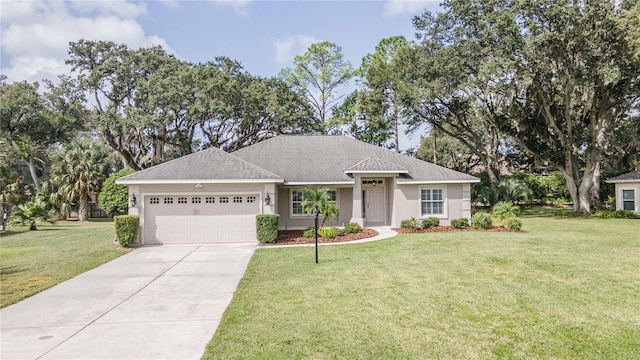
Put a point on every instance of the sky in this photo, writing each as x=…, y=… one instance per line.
x=263, y=35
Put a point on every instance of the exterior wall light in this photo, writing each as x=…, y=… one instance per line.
x=267, y=199
x=132, y=200
x=198, y=186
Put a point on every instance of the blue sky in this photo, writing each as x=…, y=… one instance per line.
x=263, y=35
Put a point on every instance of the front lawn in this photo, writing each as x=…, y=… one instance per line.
x=31, y=261
x=565, y=288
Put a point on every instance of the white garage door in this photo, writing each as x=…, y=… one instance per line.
x=186, y=219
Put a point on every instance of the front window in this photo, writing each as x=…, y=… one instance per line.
x=432, y=202
x=297, y=198
x=628, y=200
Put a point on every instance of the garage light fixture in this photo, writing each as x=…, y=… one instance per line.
x=132, y=200
x=198, y=186
x=267, y=199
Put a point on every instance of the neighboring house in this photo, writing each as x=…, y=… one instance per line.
x=627, y=191
x=214, y=196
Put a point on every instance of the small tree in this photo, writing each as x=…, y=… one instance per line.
x=318, y=198
x=114, y=198
x=31, y=213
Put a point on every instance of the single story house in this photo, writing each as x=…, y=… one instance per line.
x=627, y=191
x=214, y=196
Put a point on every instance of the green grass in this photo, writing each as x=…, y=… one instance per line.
x=32, y=261
x=563, y=288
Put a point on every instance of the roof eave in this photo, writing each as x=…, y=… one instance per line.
x=376, y=172
x=197, y=181
x=430, y=182
x=612, y=181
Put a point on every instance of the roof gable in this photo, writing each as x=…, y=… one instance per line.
x=375, y=165
x=203, y=166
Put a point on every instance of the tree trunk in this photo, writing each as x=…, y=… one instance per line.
x=595, y=189
x=83, y=209
x=435, y=148
x=579, y=187
x=33, y=226
x=34, y=175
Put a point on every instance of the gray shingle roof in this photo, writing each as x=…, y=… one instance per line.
x=209, y=164
x=628, y=177
x=373, y=164
x=325, y=159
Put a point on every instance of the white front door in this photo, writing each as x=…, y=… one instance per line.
x=374, y=212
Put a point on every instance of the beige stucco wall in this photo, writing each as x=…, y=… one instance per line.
x=406, y=201
x=345, y=196
x=628, y=186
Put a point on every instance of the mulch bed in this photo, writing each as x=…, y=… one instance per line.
x=291, y=237
x=447, y=228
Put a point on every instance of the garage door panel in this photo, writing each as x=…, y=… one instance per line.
x=207, y=221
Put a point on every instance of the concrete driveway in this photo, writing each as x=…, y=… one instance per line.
x=162, y=302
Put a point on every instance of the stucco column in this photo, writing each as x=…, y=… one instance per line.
x=356, y=216
x=137, y=210
x=466, y=201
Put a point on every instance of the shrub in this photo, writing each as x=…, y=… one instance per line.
x=267, y=228
x=460, y=223
x=505, y=210
x=328, y=232
x=352, y=228
x=619, y=214
x=513, y=224
x=31, y=213
x=411, y=224
x=309, y=232
x=114, y=198
x=126, y=228
x=430, y=222
x=481, y=220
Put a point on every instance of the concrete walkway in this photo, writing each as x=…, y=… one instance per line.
x=161, y=302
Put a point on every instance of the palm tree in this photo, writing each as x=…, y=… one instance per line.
x=318, y=199
x=30, y=213
x=78, y=169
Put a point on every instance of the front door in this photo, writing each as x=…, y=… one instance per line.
x=374, y=198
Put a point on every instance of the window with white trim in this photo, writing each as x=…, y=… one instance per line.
x=196, y=200
x=224, y=199
x=237, y=199
x=154, y=200
x=629, y=200
x=432, y=201
x=297, y=198
x=182, y=200
x=168, y=200
x=210, y=200
x=251, y=199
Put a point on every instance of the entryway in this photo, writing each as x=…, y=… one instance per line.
x=374, y=205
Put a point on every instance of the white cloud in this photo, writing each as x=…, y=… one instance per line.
x=240, y=6
x=287, y=48
x=36, y=34
x=410, y=7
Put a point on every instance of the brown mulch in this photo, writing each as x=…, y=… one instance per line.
x=447, y=228
x=291, y=237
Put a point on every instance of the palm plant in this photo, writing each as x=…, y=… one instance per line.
x=78, y=169
x=505, y=210
x=318, y=199
x=30, y=213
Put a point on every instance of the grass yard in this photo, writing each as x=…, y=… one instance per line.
x=567, y=288
x=32, y=261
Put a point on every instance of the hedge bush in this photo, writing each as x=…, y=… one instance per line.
x=352, y=228
x=505, y=210
x=460, y=223
x=619, y=214
x=481, y=220
x=430, y=222
x=411, y=224
x=328, y=232
x=126, y=229
x=309, y=232
x=513, y=224
x=267, y=228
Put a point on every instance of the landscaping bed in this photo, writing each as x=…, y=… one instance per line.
x=445, y=229
x=291, y=237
